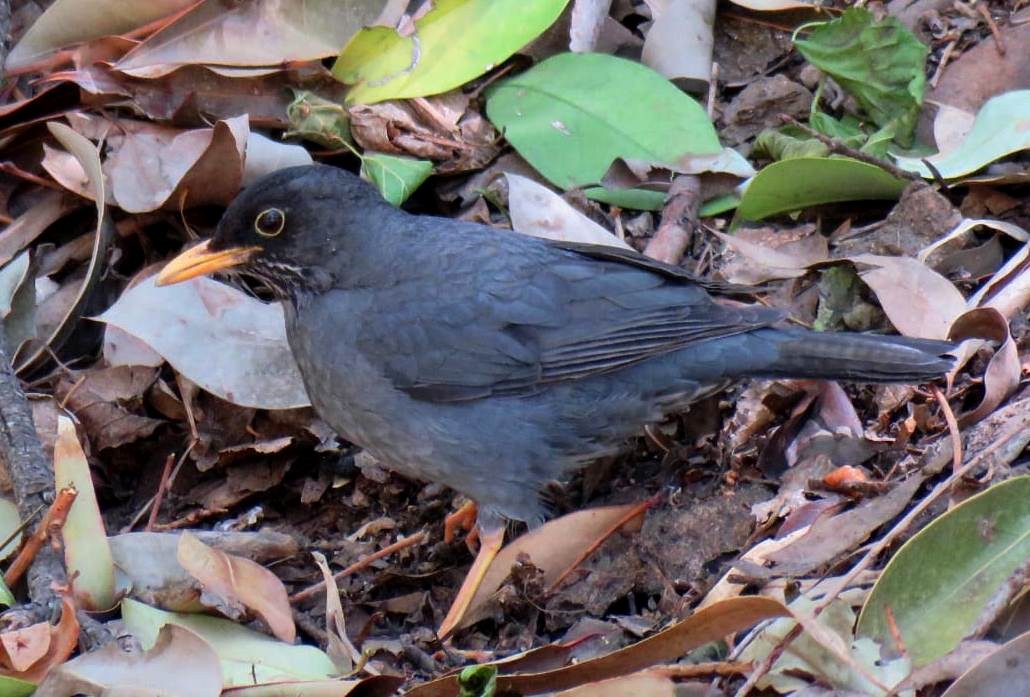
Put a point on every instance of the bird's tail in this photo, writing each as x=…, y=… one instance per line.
x=847, y=356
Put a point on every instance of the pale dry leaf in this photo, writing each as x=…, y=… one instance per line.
x=229, y=343
x=538, y=211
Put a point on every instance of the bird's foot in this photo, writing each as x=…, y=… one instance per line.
x=462, y=519
x=491, y=539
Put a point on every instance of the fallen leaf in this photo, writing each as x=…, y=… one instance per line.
x=671, y=644
x=68, y=22
x=87, y=555
x=678, y=44
x=112, y=670
x=253, y=34
x=536, y=210
x=248, y=657
x=997, y=673
x=1001, y=379
x=457, y=40
x=229, y=343
x=554, y=548
x=155, y=167
x=918, y=301
x=969, y=552
x=233, y=583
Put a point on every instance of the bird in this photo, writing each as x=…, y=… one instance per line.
x=495, y=362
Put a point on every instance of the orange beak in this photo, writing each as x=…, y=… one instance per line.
x=200, y=261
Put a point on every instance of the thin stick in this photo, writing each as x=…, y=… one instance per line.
x=404, y=542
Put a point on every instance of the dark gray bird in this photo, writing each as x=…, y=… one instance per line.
x=491, y=361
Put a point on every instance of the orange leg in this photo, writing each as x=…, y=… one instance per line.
x=462, y=519
x=491, y=539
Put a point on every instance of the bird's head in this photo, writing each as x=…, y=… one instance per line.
x=285, y=229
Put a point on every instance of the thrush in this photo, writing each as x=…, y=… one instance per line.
x=495, y=362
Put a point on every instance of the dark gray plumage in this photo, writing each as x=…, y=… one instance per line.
x=494, y=362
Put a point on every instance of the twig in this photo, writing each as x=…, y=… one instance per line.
x=52, y=522
x=956, y=435
x=841, y=149
x=404, y=542
x=679, y=220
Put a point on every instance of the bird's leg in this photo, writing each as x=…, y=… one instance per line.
x=462, y=519
x=491, y=539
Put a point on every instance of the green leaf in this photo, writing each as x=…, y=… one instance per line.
x=319, y=120
x=395, y=177
x=941, y=580
x=478, y=681
x=572, y=115
x=1002, y=127
x=456, y=41
x=791, y=185
x=247, y=657
x=778, y=145
x=879, y=62
x=13, y=687
x=632, y=199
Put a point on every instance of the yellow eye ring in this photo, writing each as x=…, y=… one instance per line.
x=270, y=222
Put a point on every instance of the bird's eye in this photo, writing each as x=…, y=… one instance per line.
x=270, y=222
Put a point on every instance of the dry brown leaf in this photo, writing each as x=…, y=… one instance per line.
x=107, y=402
x=154, y=167
x=650, y=684
x=64, y=638
x=710, y=624
x=1003, y=372
x=178, y=658
x=252, y=34
x=24, y=229
x=232, y=583
x=553, y=548
x=918, y=301
x=536, y=210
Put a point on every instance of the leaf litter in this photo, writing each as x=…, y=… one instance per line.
x=190, y=412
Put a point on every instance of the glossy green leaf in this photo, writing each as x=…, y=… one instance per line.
x=395, y=177
x=940, y=581
x=572, y=115
x=456, y=41
x=248, y=658
x=633, y=199
x=879, y=62
x=791, y=185
x=13, y=687
x=1002, y=127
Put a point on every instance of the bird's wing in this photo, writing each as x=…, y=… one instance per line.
x=526, y=316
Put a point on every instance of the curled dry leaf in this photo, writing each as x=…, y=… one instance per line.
x=36, y=355
x=252, y=366
x=538, y=211
x=63, y=639
x=339, y=647
x=554, y=548
x=1003, y=372
x=154, y=167
x=233, y=583
x=680, y=39
x=178, y=658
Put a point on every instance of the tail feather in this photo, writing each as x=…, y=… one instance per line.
x=858, y=357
